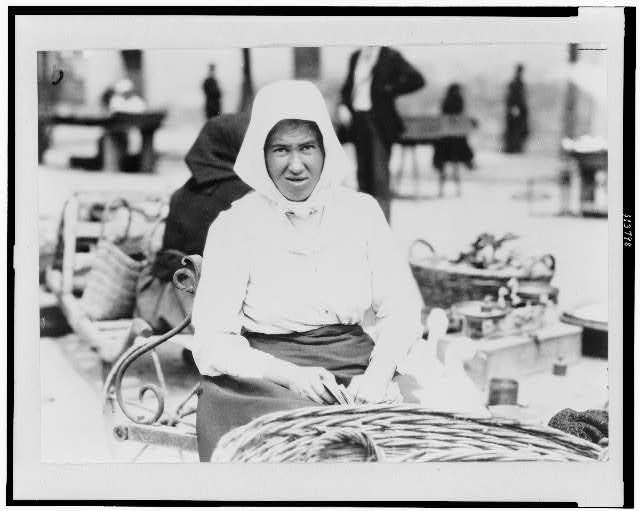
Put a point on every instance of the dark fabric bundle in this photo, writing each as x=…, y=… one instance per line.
x=211, y=190
x=592, y=425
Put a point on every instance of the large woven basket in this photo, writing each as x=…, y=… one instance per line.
x=443, y=284
x=395, y=433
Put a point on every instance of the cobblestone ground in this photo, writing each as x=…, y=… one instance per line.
x=75, y=430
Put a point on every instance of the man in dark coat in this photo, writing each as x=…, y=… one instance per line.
x=517, y=114
x=376, y=76
x=192, y=208
x=212, y=93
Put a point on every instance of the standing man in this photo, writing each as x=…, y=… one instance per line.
x=517, y=115
x=376, y=76
x=212, y=93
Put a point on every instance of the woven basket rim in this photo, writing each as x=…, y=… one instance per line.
x=256, y=438
x=445, y=266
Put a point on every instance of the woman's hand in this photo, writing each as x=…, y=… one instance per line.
x=373, y=386
x=367, y=388
x=308, y=382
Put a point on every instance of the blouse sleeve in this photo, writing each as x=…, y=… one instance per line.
x=218, y=345
x=396, y=299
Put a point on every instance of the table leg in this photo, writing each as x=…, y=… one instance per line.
x=416, y=170
x=115, y=148
x=147, y=155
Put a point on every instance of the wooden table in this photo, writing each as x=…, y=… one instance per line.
x=116, y=126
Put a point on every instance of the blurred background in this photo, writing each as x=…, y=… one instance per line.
x=172, y=80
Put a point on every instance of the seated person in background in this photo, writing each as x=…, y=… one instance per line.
x=288, y=273
x=122, y=97
x=452, y=149
x=211, y=189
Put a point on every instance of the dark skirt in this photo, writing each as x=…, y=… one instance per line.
x=452, y=149
x=227, y=402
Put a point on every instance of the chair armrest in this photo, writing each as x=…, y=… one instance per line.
x=185, y=279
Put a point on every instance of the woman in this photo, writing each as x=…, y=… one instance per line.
x=288, y=273
x=452, y=149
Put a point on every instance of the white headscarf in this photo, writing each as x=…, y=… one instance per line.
x=290, y=99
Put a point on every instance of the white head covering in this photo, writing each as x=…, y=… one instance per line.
x=289, y=99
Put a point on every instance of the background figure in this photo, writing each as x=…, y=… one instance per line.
x=212, y=93
x=517, y=123
x=452, y=149
x=376, y=76
x=193, y=207
x=122, y=97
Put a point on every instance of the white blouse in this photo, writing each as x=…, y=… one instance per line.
x=270, y=271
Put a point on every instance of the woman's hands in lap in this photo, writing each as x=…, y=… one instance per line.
x=308, y=382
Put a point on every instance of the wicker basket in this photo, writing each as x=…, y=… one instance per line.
x=395, y=433
x=110, y=292
x=443, y=284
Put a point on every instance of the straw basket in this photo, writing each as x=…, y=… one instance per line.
x=110, y=292
x=443, y=284
x=395, y=433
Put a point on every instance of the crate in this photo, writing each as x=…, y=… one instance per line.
x=518, y=355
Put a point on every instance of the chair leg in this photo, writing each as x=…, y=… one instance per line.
x=442, y=177
x=416, y=170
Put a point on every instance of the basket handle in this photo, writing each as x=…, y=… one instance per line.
x=550, y=261
x=148, y=238
x=420, y=241
x=341, y=436
x=115, y=204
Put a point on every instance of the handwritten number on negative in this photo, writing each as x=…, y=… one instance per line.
x=627, y=232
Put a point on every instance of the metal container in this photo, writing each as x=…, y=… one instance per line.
x=502, y=391
x=480, y=318
x=532, y=292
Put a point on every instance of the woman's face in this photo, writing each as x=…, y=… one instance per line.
x=294, y=157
